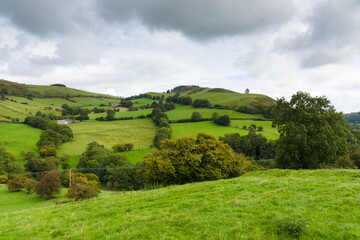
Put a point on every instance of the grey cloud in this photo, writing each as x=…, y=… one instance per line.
x=200, y=19
x=42, y=17
x=332, y=36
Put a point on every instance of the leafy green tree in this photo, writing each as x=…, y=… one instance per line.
x=312, y=133
x=82, y=188
x=65, y=161
x=30, y=185
x=110, y=115
x=8, y=165
x=49, y=136
x=223, y=120
x=195, y=117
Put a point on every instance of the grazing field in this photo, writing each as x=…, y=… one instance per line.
x=273, y=204
x=17, y=137
x=143, y=101
x=120, y=114
x=109, y=133
x=184, y=112
x=191, y=129
x=137, y=155
x=228, y=98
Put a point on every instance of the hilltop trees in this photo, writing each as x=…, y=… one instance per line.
x=312, y=133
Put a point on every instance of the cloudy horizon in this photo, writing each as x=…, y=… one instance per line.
x=127, y=47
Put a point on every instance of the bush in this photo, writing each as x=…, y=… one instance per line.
x=3, y=179
x=47, y=151
x=260, y=128
x=190, y=159
x=195, y=116
x=30, y=185
x=16, y=184
x=223, y=120
x=81, y=189
x=49, y=185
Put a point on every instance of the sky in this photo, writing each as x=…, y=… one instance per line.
x=128, y=47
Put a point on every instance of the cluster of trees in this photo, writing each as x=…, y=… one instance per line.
x=162, y=121
x=190, y=159
x=266, y=111
x=252, y=145
x=71, y=112
x=8, y=165
x=53, y=136
x=126, y=103
x=109, y=167
x=83, y=186
x=98, y=110
x=353, y=118
x=122, y=147
x=223, y=120
x=201, y=103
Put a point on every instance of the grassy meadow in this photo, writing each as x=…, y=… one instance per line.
x=109, y=133
x=191, y=129
x=273, y=204
x=184, y=112
x=17, y=137
x=228, y=98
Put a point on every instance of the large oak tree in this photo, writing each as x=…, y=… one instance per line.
x=312, y=133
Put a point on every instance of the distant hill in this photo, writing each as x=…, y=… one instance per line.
x=42, y=91
x=220, y=96
x=353, y=118
x=22, y=100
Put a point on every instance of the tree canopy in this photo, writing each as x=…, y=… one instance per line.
x=312, y=133
x=190, y=159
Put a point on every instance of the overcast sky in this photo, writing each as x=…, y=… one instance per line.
x=126, y=47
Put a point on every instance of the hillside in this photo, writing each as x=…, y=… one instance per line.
x=221, y=96
x=39, y=91
x=25, y=100
x=273, y=204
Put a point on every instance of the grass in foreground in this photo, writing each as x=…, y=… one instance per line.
x=274, y=204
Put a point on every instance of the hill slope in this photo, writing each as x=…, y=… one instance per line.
x=274, y=204
x=221, y=96
x=24, y=90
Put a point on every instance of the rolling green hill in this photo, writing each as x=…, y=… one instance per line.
x=222, y=97
x=273, y=204
x=24, y=90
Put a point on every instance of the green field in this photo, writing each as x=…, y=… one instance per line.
x=17, y=137
x=11, y=201
x=142, y=101
x=120, y=114
x=273, y=204
x=191, y=129
x=109, y=133
x=184, y=112
x=137, y=155
x=233, y=98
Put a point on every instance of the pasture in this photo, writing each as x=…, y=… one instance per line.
x=192, y=128
x=273, y=204
x=184, y=112
x=17, y=137
x=108, y=133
